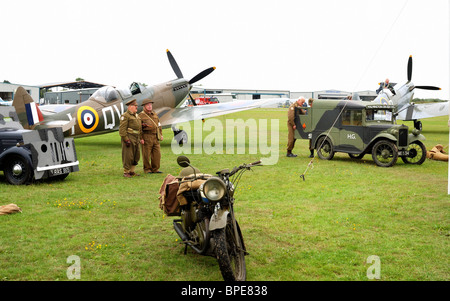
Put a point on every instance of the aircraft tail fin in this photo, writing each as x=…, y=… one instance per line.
x=27, y=110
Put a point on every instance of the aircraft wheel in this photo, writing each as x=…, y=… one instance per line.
x=417, y=153
x=385, y=153
x=325, y=149
x=181, y=137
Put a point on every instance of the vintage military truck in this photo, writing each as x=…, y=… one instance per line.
x=359, y=128
x=33, y=154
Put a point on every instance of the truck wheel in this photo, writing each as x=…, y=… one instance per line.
x=385, y=153
x=325, y=149
x=17, y=171
x=417, y=153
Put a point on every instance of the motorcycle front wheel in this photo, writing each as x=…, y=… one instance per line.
x=230, y=256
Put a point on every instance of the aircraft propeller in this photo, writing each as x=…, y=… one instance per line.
x=174, y=65
x=201, y=75
x=409, y=73
x=193, y=80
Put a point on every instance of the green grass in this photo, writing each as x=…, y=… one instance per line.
x=323, y=228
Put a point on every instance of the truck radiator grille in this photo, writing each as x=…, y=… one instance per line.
x=403, y=138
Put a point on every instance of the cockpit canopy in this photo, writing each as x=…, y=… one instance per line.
x=108, y=93
x=105, y=94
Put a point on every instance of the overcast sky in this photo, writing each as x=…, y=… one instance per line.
x=297, y=45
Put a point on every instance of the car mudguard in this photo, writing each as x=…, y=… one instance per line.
x=386, y=136
x=412, y=138
x=16, y=151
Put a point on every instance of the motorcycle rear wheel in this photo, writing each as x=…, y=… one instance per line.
x=230, y=256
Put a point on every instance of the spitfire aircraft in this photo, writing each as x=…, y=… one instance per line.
x=406, y=109
x=101, y=112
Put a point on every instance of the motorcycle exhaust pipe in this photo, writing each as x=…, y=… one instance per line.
x=179, y=230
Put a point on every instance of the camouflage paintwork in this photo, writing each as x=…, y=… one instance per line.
x=327, y=118
x=46, y=150
x=51, y=153
x=101, y=112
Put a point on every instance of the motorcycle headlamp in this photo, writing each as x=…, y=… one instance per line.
x=214, y=189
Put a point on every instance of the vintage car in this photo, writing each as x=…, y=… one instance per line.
x=359, y=128
x=27, y=155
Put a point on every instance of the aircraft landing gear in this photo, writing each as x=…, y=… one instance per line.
x=180, y=136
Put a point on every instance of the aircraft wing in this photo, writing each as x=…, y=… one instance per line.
x=53, y=109
x=421, y=111
x=169, y=116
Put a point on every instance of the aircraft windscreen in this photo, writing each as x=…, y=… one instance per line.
x=105, y=94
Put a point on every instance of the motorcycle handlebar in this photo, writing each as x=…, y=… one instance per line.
x=236, y=169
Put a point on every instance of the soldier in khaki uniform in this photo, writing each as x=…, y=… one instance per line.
x=291, y=125
x=152, y=134
x=130, y=131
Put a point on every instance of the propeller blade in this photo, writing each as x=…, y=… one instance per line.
x=201, y=75
x=428, y=88
x=409, y=68
x=192, y=99
x=174, y=65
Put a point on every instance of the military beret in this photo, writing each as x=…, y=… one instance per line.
x=131, y=102
x=146, y=101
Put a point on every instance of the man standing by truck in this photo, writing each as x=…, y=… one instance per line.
x=291, y=125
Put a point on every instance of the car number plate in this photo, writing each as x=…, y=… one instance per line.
x=403, y=153
x=59, y=171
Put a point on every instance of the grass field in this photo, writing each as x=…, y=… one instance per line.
x=324, y=228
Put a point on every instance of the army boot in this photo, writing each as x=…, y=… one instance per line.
x=290, y=154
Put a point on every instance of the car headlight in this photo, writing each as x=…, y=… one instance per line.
x=214, y=189
x=393, y=131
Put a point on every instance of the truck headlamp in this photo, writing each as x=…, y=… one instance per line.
x=393, y=132
x=214, y=189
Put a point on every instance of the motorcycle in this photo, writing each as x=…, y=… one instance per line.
x=208, y=224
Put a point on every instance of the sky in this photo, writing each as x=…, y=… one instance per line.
x=301, y=46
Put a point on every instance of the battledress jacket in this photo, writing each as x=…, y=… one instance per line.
x=152, y=125
x=291, y=114
x=130, y=127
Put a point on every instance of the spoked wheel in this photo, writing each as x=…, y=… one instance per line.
x=417, y=153
x=230, y=252
x=17, y=171
x=385, y=153
x=325, y=149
